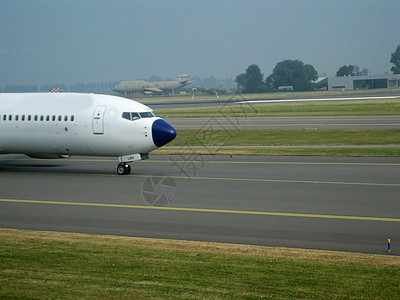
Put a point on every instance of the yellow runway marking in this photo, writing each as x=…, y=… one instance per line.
x=214, y=162
x=271, y=180
x=269, y=162
x=242, y=162
x=229, y=162
x=206, y=210
x=260, y=179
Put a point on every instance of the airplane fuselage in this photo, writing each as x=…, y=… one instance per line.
x=128, y=87
x=59, y=125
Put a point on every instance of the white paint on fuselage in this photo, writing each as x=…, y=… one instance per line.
x=72, y=137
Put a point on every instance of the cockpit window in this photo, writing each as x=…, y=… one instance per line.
x=126, y=115
x=135, y=116
x=147, y=114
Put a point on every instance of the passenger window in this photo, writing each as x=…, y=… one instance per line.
x=59, y=118
x=65, y=118
x=4, y=117
x=23, y=117
x=16, y=118
x=47, y=118
x=41, y=118
x=29, y=117
x=53, y=118
x=10, y=118
x=36, y=117
x=72, y=118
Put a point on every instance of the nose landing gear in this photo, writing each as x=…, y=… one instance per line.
x=123, y=169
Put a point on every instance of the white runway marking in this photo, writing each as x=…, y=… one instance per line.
x=318, y=99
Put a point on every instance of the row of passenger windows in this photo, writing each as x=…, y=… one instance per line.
x=134, y=115
x=38, y=118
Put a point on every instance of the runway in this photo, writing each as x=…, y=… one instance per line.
x=241, y=99
x=311, y=123
x=349, y=204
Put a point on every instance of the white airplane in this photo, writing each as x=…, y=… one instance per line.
x=151, y=88
x=58, y=125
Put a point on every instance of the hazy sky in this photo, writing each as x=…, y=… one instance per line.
x=54, y=41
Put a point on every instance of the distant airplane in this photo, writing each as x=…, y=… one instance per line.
x=58, y=125
x=151, y=88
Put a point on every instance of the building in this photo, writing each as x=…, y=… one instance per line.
x=364, y=82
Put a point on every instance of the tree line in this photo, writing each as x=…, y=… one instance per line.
x=297, y=76
x=290, y=74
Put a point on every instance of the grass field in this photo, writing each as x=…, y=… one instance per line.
x=278, y=137
x=49, y=265
x=312, y=142
x=199, y=140
x=281, y=151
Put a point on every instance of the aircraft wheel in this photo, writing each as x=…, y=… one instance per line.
x=123, y=169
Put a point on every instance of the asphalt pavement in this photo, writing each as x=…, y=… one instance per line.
x=334, y=203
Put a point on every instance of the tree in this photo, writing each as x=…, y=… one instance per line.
x=293, y=73
x=395, y=59
x=251, y=81
x=364, y=72
x=240, y=81
x=345, y=71
x=310, y=73
x=254, y=79
x=351, y=70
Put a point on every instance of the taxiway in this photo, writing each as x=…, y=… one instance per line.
x=349, y=204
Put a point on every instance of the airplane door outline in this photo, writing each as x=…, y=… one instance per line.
x=98, y=119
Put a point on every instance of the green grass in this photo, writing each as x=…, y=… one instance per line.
x=198, y=139
x=219, y=142
x=50, y=265
x=282, y=137
x=340, y=108
x=349, y=152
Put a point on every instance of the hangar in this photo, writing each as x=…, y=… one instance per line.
x=364, y=82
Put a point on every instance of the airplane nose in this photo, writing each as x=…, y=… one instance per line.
x=162, y=132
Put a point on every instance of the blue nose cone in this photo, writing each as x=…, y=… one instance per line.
x=162, y=132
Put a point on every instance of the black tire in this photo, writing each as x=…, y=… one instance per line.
x=121, y=169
